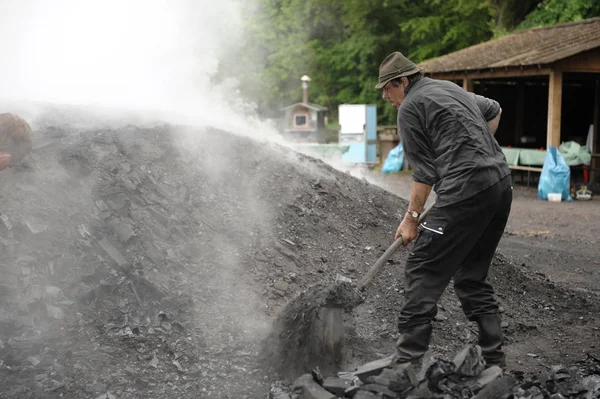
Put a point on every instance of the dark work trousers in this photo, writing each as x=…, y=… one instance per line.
x=459, y=241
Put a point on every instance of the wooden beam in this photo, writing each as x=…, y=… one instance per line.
x=583, y=69
x=468, y=84
x=588, y=62
x=490, y=73
x=554, y=108
x=596, y=146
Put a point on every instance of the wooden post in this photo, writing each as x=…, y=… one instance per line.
x=596, y=146
x=520, y=113
x=554, y=108
x=468, y=84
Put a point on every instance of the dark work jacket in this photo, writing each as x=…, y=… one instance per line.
x=447, y=141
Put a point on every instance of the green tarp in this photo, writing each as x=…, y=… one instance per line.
x=524, y=156
x=512, y=155
x=573, y=154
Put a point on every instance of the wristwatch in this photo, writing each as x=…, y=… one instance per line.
x=414, y=214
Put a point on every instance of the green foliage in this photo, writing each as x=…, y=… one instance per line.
x=340, y=44
x=509, y=13
x=551, y=12
x=440, y=27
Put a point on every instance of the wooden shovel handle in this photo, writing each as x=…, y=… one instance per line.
x=386, y=255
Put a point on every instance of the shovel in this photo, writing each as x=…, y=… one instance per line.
x=310, y=329
x=386, y=255
x=331, y=316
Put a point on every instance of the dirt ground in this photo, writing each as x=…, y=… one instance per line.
x=149, y=262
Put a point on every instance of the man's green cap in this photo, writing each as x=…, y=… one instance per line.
x=395, y=66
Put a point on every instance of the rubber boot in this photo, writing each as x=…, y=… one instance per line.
x=490, y=340
x=412, y=344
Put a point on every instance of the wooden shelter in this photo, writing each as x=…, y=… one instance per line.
x=547, y=81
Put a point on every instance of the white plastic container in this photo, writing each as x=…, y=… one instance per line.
x=554, y=197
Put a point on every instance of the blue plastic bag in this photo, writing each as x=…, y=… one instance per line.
x=394, y=160
x=555, y=177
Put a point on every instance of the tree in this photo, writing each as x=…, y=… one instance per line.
x=550, y=12
x=442, y=26
x=340, y=44
x=509, y=13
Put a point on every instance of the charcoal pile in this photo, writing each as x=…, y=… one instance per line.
x=147, y=262
x=150, y=262
x=465, y=377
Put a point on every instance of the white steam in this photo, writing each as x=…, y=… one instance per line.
x=151, y=55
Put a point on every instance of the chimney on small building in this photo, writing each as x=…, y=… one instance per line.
x=305, y=79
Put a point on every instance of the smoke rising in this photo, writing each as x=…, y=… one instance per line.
x=160, y=57
x=159, y=61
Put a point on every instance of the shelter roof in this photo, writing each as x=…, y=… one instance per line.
x=537, y=46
